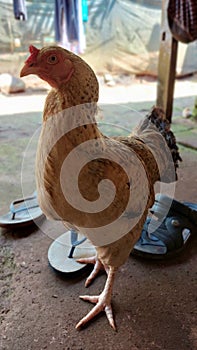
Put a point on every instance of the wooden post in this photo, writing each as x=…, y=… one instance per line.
x=166, y=65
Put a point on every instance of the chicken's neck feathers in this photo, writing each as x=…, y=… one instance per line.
x=76, y=119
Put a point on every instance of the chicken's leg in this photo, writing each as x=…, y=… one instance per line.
x=102, y=301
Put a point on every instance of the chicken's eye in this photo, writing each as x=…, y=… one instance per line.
x=52, y=59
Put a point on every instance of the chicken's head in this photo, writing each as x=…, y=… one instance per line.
x=60, y=67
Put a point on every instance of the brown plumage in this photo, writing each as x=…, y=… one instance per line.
x=71, y=144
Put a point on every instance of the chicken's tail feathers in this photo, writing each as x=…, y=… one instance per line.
x=158, y=118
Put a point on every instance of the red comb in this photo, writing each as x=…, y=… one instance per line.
x=34, y=53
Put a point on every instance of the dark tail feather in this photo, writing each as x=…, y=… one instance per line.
x=158, y=118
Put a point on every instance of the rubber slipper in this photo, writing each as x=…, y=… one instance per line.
x=172, y=234
x=23, y=212
x=66, y=249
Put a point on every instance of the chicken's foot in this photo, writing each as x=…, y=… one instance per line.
x=102, y=301
x=98, y=266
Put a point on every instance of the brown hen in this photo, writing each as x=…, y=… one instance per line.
x=100, y=186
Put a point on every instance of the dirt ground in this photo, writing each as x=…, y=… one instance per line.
x=154, y=302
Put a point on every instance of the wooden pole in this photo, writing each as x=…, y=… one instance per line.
x=166, y=65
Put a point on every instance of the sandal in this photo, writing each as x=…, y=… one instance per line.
x=66, y=249
x=23, y=212
x=172, y=233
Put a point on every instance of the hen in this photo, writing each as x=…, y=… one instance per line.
x=100, y=186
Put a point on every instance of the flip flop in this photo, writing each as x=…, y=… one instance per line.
x=23, y=212
x=66, y=249
x=174, y=231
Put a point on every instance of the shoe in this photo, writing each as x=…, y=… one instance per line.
x=172, y=233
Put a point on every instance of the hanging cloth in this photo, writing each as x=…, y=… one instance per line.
x=20, y=11
x=66, y=20
x=69, y=30
x=182, y=19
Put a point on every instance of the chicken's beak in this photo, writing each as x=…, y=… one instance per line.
x=27, y=69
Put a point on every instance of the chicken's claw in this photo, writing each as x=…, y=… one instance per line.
x=101, y=305
x=90, y=260
x=102, y=301
x=97, y=267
